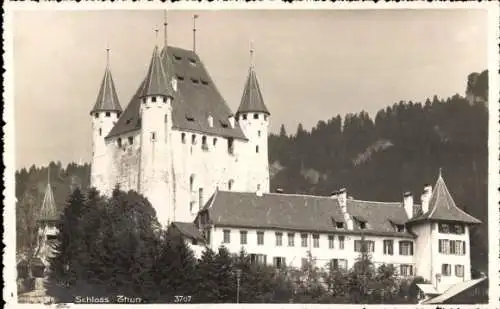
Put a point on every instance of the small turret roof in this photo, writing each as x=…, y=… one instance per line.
x=442, y=207
x=48, y=211
x=252, y=100
x=156, y=82
x=107, y=99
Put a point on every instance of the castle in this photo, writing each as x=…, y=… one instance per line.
x=177, y=140
x=205, y=171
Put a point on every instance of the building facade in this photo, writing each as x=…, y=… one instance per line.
x=177, y=140
x=430, y=239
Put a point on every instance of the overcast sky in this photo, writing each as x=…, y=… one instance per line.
x=311, y=65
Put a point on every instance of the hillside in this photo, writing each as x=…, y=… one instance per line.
x=400, y=150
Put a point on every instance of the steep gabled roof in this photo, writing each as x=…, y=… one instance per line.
x=188, y=229
x=299, y=212
x=107, y=99
x=48, y=211
x=442, y=207
x=252, y=100
x=195, y=99
x=454, y=290
x=156, y=82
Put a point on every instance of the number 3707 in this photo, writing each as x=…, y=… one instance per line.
x=182, y=299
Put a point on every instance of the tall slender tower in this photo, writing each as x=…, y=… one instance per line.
x=253, y=117
x=105, y=114
x=47, y=220
x=155, y=180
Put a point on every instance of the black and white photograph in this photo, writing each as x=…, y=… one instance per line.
x=251, y=156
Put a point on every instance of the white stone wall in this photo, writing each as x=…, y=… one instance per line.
x=101, y=126
x=256, y=130
x=294, y=255
x=440, y=258
x=423, y=250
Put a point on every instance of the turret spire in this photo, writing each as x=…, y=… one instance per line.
x=252, y=100
x=195, y=17
x=155, y=83
x=107, y=98
x=165, y=27
x=48, y=210
x=251, y=55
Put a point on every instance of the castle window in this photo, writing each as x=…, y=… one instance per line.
x=193, y=139
x=118, y=114
x=153, y=136
x=406, y=270
x=405, y=248
x=258, y=133
x=183, y=138
x=191, y=183
x=243, y=237
x=153, y=99
x=388, y=247
x=200, y=197
x=230, y=184
x=230, y=146
x=364, y=246
x=458, y=229
x=279, y=262
x=265, y=117
x=227, y=236
x=215, y=141
x=119, y=142
x=257, y=149
x=291, y=239
x=204, y=144
x=143, y=100
x=400, y=228
x=128, y=121
x=100, y=132
x=165, y=98
x=279, y=239
x=446, y=269
x=444, y=246
x=130, y=140
x=96, y=115
x=444, y=228
x=244, y=116
x=341, y=242
x=255, y=116
x=459, y=271
x=260, y=238
x=331, y=241
x=108, y=114
x=303, y=240
x=316, y=240
x=339, y=225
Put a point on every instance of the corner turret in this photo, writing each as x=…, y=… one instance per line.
x=253, y=117
x=105, y=114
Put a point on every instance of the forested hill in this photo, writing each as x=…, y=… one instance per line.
x=402, y=149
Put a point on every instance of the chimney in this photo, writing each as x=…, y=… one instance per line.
x=425, y=198
x=259, y=191
x=408, y=204
x=341, y=197
x=231, y=120
x=210, y=121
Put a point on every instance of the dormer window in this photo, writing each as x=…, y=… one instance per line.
x=204, y=82
x=339, y=225
x=192, y=61
x=400, y=228
x=444, y=228
x=177, y=58
x=362, y=225
x=361, y=222
x=189, y=118
x=128, y=121
x=195, y=81
x=255, y=116
x=108, y=114
x=180, y=77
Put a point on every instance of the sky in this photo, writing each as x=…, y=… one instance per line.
x=311, y=65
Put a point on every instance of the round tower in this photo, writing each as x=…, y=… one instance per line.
x=105, y=114
x=155, y=180
x=253, y=118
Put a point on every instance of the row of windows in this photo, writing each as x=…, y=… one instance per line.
x=107, y=114
x=446, y=270
x=304, y=237
x=451, y=228
x=405, y=247
x=456, y=247
x=130, y=140
x=255, y=116
x=204, y=142
x=153, y=99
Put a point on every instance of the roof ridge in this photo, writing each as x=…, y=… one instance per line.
x=375, y=202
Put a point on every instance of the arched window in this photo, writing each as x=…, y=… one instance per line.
x=230, y=184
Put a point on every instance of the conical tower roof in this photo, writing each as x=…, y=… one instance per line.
x=442, y=207
x=156, y=82
x=251, y=100
x=48, y=211
x=107, y=99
